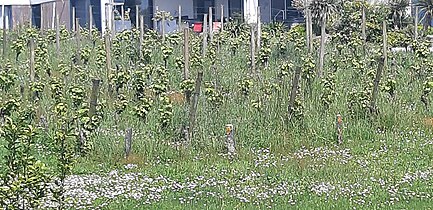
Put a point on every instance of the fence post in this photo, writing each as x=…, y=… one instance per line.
x=73, y=19
x=382, y=67
x=141, y=35
x=186, y=61
x=78, y=38
x=230, y=140
x=222, y=17
x=137, y=16
x=108, y=59
x=4, y=36
x=128, y=142
x=194, y=105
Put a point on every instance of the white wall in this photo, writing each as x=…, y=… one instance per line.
x=23, y=2
x=173, y=7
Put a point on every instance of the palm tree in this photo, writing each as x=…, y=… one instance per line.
x=426, y=9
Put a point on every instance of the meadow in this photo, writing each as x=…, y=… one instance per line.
x=73, y=102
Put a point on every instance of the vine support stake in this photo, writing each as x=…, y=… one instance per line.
x=364, y=34
x=339, y=126
x=94, y=97
x=230, y=140
x=163, y=27
x=259, y=29
x=179, y=25
x=382, y=67
x=137, y=16
x=90, y=20
x=194, y=104
x=57, y=35
x=294, y=91
x=204, y=35
x=222, y=17
x=210, y=24
x=416, y=23
x=108, y=59
x=32, y=60
x=252, y=49
x=128, y=142
x=141, y=35
x=4, y=36
x=73, y=19
x=309, y=30
x=186, y=61
x=322, y=45
x=78, y=38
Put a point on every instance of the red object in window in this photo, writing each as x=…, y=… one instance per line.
x=198, y=27
x=216, y=26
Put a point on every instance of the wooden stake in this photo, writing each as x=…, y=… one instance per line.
x=204, y=36
x=259, y=29
x=4, y=36
x=42, y=18
x=32, y=60
x=179, y=26
x=382, y=67
x=364, y=35
x=322, y=46
x=141, y=35
x=53, y=20
x=155, y=24
x=108, y=57
x=210, y=24
x=230, y=140
x=58, y=35
x=310, y=29
x=252, y=49
x=94, y=97
x=137, y=16
x=128, y=142
x=90, y=20
x=194, y=104
x=339, y=126
x=222, y=17
x=416, y=23
x=78, y=38
x=294, y=91
x=186, y=61
x=73, y=19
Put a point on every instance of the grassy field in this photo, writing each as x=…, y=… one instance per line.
x=384, y=161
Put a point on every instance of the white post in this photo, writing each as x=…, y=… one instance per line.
x=3, y=16
x=222, y=17
x=73, y=19
x=54, y=15
x=210, y=23
x=180, y=19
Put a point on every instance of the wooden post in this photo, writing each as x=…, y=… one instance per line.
x=113, y=24
x=155, y=24
x=259, y=29
x=385, y=45
x=53, y=20
x=230, y=141
x=128, y=142
x=108, y=56
x=322, y=46
x=78, y=38
x=204, y=35
x=73, y=19
x=32, y=60
x=307, y=29
x=416, y=23
x=339, y=126
x=294, y=91
x=90, y=20
x=42, y=17
x=222, y=17
x=310, y=29
x=252, y=49
x=382, y=67
x=210, y=24
x=163, y=28
x=141, y=35
x=4, y=35
x=180, y=19
x=58, y=35
x=137, y=16
x=30, y=17
x=364, y=35
x=94, y=97
x=194, y=104
x=186, y=61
